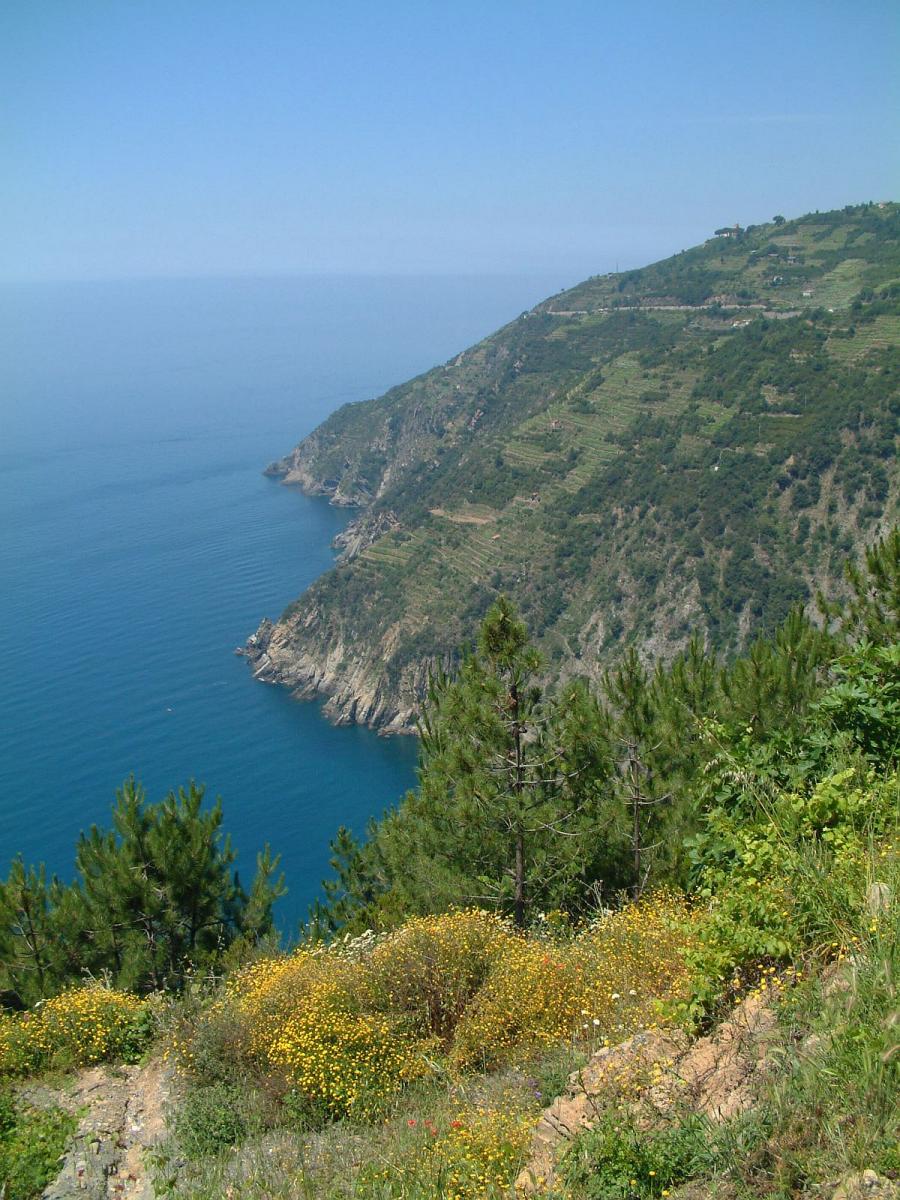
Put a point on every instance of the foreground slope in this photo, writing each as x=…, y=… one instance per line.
x=690, y=447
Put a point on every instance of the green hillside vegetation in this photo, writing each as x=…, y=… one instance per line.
x=576, y=864
x=688, y=449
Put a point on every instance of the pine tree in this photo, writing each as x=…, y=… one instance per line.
x=159, y=893
x=635, y=732
x=872, y=612
x=156, y=896
x=508, y=779
x=27, y=954
x=771, y=686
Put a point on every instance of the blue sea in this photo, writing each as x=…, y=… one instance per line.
x=140, y=543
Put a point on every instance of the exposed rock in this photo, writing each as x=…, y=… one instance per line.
x=123, y=1117
x=866, y=1185
x=607, y=1074
x=353, y=689
x=298, y=469
x=658, y=1073
x=721, y=1072
x=361, y=533
x=878, y=898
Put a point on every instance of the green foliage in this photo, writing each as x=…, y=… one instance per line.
x=873, y=610
x=493, y=762
x=31, y=1142
x=155, y=898
x=634, y=726
x=510, y=787
x=788, y=820
x=771, y=686
x=211, y=1118
x=863, y=703
x=785, y=871
x=619, y=1159
x=33, y=954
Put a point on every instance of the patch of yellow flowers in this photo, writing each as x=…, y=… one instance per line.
x=604, y=983
x=80, y=1027
x=303, y=1018
x=456, y=992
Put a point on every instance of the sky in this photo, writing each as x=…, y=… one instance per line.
x=216, y=137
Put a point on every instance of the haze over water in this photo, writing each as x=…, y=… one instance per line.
x=140, y=543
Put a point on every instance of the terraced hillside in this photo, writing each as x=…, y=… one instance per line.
x=691, y=447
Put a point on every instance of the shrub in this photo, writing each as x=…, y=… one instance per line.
x=79, y=1027
x=786, y=874
x=605, y=983
x=531, y=998
x=431, y=967
x=341, y=1031
x=31, y=1141
x=303, y=1018
x=211, y=1119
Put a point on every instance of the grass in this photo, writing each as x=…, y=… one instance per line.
x=834, y=1100
x=453, y=1141
x=31, y=1142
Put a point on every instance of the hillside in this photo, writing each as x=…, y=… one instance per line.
x=705, y=1006
x=686, y=448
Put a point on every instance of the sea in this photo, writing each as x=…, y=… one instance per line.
x=140, y=544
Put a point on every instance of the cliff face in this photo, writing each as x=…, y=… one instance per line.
x=686, y=449
x=302, y=468
x=348, y=679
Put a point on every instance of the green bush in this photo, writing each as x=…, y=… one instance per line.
x=211, y=1119
x=217, y=1046
x=785, y=872
x=620, y=1160
x=31, y=1142
x=302, y=1112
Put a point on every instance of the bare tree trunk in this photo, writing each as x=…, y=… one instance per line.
x=32, y=938
x=519, y=905
x=636, y=799
x=518, y=787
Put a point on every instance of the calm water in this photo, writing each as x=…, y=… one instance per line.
x=139, y=544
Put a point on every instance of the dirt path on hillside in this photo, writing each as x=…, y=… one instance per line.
x=122, y=1115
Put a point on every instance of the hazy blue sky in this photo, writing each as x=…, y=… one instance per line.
x=180, y=137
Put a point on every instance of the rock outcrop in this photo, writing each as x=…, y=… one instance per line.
x=364, y=532
x=122, y=1117
x=299, y=469
x=657, y=1073
x=350, y=684
x=866, y=1185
